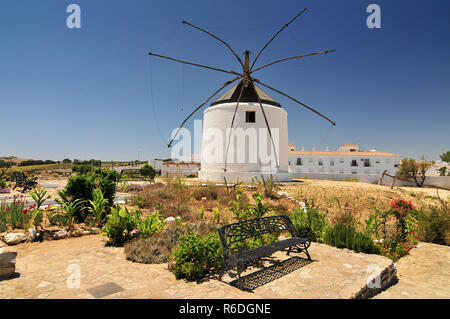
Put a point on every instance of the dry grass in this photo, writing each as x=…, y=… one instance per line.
x=357, y=199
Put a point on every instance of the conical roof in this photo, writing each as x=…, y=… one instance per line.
x=248, y=95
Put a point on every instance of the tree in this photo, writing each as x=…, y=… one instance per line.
x=445, y=157
x=442, y=170
x=147, y=170
x=66, y=160
x=410, y=168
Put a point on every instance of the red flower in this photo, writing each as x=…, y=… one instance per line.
x=24, y=211
x=7, y=209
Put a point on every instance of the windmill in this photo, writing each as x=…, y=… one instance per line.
x=246, y=91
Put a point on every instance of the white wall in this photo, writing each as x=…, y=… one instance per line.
x=342, y=164
x=220, y=117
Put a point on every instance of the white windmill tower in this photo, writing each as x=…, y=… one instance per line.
x=245, y=130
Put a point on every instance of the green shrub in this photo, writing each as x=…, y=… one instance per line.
x=81, y=186
x=82, y=168
x=120, y=225
x=311, y=222
x=147, y=170
x=196, y=256
x=208, y=192
x=434, y=224
x=345, y=236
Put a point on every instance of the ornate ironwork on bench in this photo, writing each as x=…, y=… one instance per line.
x=23, y=181
x=234, y=236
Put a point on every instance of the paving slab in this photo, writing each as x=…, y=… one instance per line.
x=424, y=273
x=68, y=268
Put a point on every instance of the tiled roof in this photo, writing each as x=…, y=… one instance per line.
x=343, y=153
x=349, y=146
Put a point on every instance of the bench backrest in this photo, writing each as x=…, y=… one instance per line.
x=233, y=236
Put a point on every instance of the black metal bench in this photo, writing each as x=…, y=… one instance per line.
x=23, y=181
x=237, y=256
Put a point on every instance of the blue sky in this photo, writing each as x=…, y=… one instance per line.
x=94, y=91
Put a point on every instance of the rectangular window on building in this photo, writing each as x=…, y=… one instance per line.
x=341, y=160
x=320, y=162
x=353, y=171
x=354, y=163
x=366, y=162
x=332, y=163
x=299, y=161
x=341, y=171
x=250, y=117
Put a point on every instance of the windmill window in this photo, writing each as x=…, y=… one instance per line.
x=250, y=117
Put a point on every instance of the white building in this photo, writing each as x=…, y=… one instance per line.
x=250, y=152
x=179, y=169
x=157, y=165
x=348, y=161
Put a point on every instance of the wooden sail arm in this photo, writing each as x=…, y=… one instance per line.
x=295, y=100
x=231, y=128
x=206, y=101
x=292, y=57
x=279, y=31
x=267, y=124
x=217, y=38
x=195, y=64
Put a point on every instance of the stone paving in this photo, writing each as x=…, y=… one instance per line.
x=424, y=273
x=47, y=270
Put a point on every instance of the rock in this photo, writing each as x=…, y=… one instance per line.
x=32, y=234
x=85, y=232
x=59, y=234
x=15, y=238
x=282, y=193
x=168, y=220
x=7, y=263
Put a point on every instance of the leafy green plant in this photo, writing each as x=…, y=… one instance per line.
x=119, y=226
x=311, y=222
x=39, y=196
x=81, y=186
x=150, y=224
x=68, y=210
x=196, y=256
x=238, y=207
x=258, y=210
x=97, y=206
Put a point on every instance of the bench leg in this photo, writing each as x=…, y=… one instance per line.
x=239, y=270
x=307, y=254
